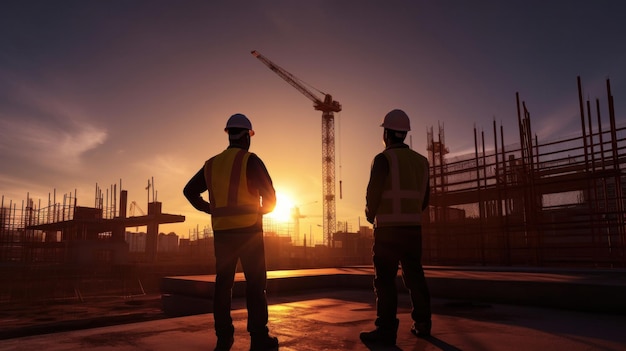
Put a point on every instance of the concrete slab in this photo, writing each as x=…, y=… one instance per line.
x=332, y=320
x=583, y=290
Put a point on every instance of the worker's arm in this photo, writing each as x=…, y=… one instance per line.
x=193, y=190
x=261, y=180
x=378, y=174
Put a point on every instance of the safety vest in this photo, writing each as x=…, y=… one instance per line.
x=232, y=204
x=404, y=190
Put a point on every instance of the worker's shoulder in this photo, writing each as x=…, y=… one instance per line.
x=415, y=155
x=420, y=156
x=380, y=157
x=254, y=159
x=422, y=159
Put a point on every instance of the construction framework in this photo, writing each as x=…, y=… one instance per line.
x=61, y=249
x=557, y=203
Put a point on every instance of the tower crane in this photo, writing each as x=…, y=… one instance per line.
x=328, y=106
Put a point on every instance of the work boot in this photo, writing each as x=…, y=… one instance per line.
x=263, y=342
x=379, y=336
x=224, y=343
x=421, y=330
x=384, y=334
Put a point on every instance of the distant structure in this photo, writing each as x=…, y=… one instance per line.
x=437, y=151
x=76, y=235
x=559, y=203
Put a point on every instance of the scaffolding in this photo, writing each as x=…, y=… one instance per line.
x=557, y=203
x=60, y=249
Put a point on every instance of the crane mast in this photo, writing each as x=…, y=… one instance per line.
x=328, y=106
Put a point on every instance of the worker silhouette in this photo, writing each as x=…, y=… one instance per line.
x=397, y=193
x=240, y=192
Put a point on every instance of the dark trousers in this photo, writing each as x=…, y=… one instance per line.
x=250, y=250
x=393, y=245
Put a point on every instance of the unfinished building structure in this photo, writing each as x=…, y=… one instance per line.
x=559, y=203
x=59, y=248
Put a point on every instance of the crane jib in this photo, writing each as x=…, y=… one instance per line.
x=326, y=105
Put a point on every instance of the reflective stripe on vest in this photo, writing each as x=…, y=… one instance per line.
x=232, y=205
x=405, y=187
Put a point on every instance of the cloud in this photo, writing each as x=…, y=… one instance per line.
x=84, y=138
x=41, y=128
x=48, y=145
x=163, y=164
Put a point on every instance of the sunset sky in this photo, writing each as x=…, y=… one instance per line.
x=98, y=91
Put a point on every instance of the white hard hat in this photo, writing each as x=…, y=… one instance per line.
x=239, y=120
x=397, y=120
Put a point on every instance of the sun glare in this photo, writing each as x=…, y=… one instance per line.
x=282, y=211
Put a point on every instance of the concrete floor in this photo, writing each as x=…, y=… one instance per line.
x=333, y=319
x=474, y=309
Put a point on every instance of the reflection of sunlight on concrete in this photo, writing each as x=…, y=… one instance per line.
x=279, y=274
x=314, y=303
x=320, y=271
x=281, y=309
x=368, y=270
x=327, y=310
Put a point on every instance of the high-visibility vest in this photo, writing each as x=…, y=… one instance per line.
x=232, y=204
x=404, y=190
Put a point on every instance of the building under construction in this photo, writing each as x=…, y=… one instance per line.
x=48, y=249
x=533, y=203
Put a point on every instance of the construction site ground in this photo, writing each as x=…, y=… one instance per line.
x=331, y=319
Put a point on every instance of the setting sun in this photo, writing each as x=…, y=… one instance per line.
x=282, y=211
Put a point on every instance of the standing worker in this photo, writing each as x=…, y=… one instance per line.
x=240, y=193
x=397, y=194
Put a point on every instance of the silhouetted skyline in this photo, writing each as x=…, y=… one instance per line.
x=98, y=91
